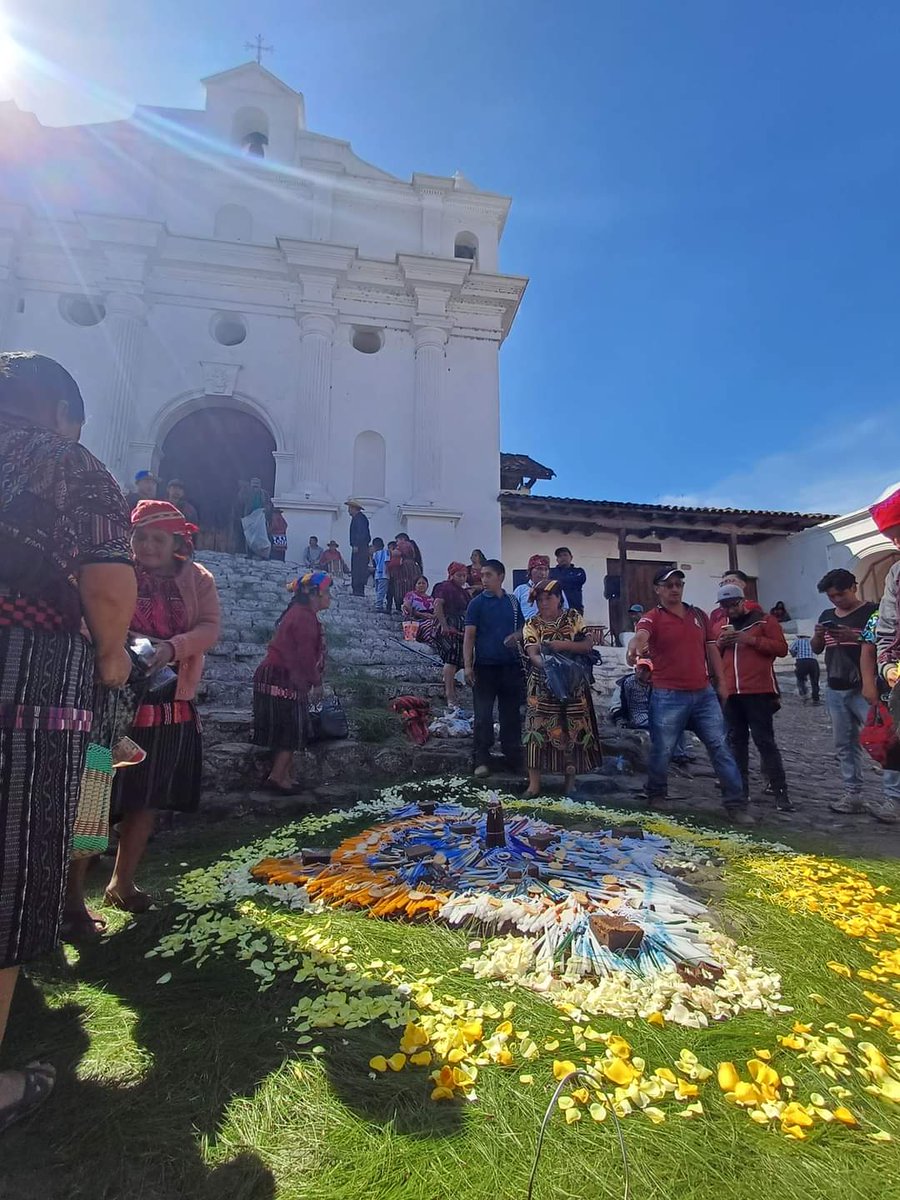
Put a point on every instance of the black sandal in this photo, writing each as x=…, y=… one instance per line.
x=82, y=929
x=39, y=1082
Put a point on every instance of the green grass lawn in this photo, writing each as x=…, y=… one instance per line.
x=198, y=1088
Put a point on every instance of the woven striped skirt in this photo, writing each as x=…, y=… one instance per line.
x=170, y=776
x=46, y=687
x=280, y=712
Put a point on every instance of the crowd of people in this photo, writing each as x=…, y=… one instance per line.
x=105, y=619
x=258, y=527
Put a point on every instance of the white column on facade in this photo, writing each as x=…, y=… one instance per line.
x=124, y=329
x=428, y=411
x=312, y=425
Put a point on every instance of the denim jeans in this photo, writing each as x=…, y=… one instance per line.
x=671, y=712
x=848, y=711
x=381, y=593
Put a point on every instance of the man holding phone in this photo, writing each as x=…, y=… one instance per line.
x=838, y=632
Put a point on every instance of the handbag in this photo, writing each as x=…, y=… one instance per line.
x=878, y=737
x=328, y=721
x=90, y=834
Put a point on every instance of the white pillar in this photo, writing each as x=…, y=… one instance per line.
x=285, y=461
x=124, y=329
x=428, y=412
x=312, y=424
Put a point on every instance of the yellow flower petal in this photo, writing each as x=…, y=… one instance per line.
x=581, y=1095
x=562, y=1068
x=598, y=1112
x=619, y=1072
x=378, y=1063
x=880, y=1136
x=397, y=1062
x=552, y=1045
x=572, y=1115
x=765, y=1055
x=691, y=1110
x=526, y=1079
x=422, y=1059
x=727, y=1076
x=839, y=969
x=666, y=1074
x=442, y=1093
x=656, y=1115
x=656, y=1018
x=844, y=1115
x=504, y=1027
x=618, y=1046
x=686, y=1091
x=565, y=1102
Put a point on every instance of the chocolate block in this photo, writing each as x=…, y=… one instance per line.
x=311, y=854
x=414, y=853
x=540, y=841
x=464, y=829
x=616, y=933
x=628, y=831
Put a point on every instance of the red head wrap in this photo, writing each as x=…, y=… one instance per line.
x=454, y=567
x=163, y=515
x=886, y=513
x=538, y=560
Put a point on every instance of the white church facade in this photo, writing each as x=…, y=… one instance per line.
x=239, y=296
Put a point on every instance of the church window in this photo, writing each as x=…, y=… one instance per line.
x=369, y=465
x=234, y=223
x=466, y=246
x=250, y=131
x=82, y=310
x=367, y=340
x=229, y=329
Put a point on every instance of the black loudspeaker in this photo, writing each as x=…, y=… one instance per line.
x=612, y=587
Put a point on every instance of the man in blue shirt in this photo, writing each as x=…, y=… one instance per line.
x=570, y=578
x=494, y=669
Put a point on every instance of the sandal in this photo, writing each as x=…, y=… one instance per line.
x=290, y=790
x=139, y=902
x=82, y=928
x=39, y=1081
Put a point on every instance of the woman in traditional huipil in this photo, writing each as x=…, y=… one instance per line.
x=289, y=677
x=560, y=737
x=451, y=599
x=178, y=610
x=64, y=560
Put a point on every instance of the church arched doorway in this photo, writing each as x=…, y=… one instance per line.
x=212, y=451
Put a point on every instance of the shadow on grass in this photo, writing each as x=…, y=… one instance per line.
x=208, y=1037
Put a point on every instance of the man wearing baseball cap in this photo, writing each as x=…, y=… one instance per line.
x=687, y=673
x=749, y=641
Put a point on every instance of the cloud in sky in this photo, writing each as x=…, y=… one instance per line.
x=837, y=470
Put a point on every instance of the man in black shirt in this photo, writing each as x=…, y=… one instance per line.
x=838, y=633
x=360, y=539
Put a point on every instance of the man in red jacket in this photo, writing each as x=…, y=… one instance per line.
x=749, y=641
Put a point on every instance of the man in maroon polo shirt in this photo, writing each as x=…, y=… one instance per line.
x=687, y=674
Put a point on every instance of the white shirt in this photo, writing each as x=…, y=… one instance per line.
x=529, y=609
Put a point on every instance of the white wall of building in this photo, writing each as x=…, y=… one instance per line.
x=704, y=563
x=313, y=245
x=791, y=567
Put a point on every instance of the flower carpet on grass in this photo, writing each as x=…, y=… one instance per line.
x=531, y=930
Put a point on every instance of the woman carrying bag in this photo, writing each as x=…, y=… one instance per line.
x=178, y=610
x=560, y=735
x=289, y=677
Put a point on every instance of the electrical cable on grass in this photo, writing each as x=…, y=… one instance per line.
x=593, y=1082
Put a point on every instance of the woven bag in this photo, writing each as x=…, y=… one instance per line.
x=91, y=833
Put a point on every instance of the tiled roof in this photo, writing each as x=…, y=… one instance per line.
x=810, y=518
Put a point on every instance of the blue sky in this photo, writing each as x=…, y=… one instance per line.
x=706, y=200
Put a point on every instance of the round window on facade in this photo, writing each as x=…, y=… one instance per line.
x=82, y=310
x=229, y=329
x=366, y=340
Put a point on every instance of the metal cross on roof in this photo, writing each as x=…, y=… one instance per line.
x=260, y=49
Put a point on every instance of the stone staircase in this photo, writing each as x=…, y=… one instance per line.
x=361, y=642
x=254, y=594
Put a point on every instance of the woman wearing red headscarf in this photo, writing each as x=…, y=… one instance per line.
x=886, y=515
x=178, y=609
x=451, y=599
